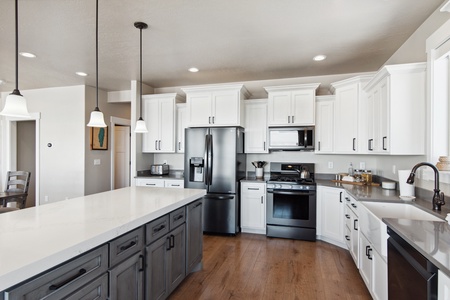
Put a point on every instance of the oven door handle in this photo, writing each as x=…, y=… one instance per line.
x=291, y=192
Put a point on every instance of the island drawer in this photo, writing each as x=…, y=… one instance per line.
x=177, y=217
x=126, y=245
x=156, y=229
x=64, y=279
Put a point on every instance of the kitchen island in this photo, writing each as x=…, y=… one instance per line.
x=34, y=240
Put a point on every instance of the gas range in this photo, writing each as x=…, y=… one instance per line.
x=286, y=176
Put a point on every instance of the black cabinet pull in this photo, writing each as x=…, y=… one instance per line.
x=168, y=243
x=54, y=287
x=370, y=145
x=384, y=145
x=367, y=251
x=354, y=147
x=142, y=262
x=347, y=216
x=198, y=204
x=253, y=189
x=178, y=217
x=354, y=205
x=347, y=198
x=354, y=224
x=340, y=197
x=319, y=146
x=368, y=254
x=158, y=229
x=131, y=244
x=347, y=238
x=172, y=241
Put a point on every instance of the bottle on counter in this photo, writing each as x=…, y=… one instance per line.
x=367, y=176
x=350, y=170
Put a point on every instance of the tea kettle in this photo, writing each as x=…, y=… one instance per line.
x=304, y=174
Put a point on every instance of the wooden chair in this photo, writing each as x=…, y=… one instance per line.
x=18, y=181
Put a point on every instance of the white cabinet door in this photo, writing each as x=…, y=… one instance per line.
x=443, y=286
x=181, y=126
x=199, y=109
x=256, y=126
x=379, y=277
x=365, y=265
x=225, y=108
x=303, y=107
x=253, y=207
x=331, y=214
x=279, y=109
x=167, y=126
x=346, y=119
x=152, y=119
x=324, y=124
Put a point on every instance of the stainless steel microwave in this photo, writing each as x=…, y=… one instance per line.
x=291, y=138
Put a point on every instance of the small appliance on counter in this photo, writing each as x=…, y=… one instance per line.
x=159, y=169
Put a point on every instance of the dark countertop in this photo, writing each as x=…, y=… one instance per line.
x=431, y=239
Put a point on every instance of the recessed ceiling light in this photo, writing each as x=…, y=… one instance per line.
x=319, y=57
x=193, y=70
x=27, y=54
x=81, y=74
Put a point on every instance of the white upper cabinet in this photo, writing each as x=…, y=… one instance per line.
x=159, y=116
x=324, y=124
x=181, y=126
x=256, y=126
x=350, y=115
x=220, y=105
x=396, y=106
x=292, y=105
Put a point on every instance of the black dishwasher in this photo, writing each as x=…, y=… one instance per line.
x=410, y=274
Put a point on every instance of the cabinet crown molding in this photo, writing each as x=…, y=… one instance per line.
x=363, y=79
x=292, y=87
x=217, y=87
x=388, y=70
x=178, y=98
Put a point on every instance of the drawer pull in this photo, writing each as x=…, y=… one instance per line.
x=176, y=218
x=158, y=229
x=198, y=204
x=172, y=239
x=354, y=224
x=347, y=216
x=131, y=244
x=174, y=184
x=253, y=189
x=142, y=261
x=54, y=287
x=347, y=238
x=150, y=184
x=354, y=205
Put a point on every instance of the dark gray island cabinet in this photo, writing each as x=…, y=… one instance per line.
x=147, y=262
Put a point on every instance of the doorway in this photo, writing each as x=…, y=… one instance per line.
x=120, y=153
x=26, y=155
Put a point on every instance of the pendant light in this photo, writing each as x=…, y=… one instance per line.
x=141, y=127
x=97, y=119
x=16, y=104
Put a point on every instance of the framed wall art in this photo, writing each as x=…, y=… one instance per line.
x=99, y=138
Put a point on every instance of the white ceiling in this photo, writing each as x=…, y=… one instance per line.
x=228, y=40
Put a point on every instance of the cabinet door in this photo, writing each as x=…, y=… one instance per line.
x=332, y=212
x=346, y=121
x=156, y=270
x=194, y=234
x=126, y=279
x=379, y=277
x=226, y=108
x=384, y=116
x=443, y=286
x=279, y=108
x=151, y=117
x=256, y=127
x=166, y=141
x=324, y=126
x=253, y=208
x=365, y=266
x=181, y=126
x=303, y=106
x=354, y=239
x=176, y=257
x=199, y=107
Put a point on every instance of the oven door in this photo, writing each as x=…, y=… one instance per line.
x=291, y=208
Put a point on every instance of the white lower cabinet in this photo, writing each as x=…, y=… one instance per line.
x=443, y=286
x=157, y=182
x=352, y=227
x=253, y=207
x=330, y=213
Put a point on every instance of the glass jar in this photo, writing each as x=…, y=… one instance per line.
x=358, y=175
x=367, y=176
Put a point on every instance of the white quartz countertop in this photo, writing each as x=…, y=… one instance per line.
x=35, y=239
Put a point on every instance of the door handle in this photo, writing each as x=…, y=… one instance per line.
x=370, y=146
x=354, y=224
x=354, y=147
x=293, y=119
x=368, y=254
x=347, y=238
x=384, y=145
x=262, y=199
x=340, y=197
x=319, y=145
x=289, y=119
x=213, y=119
x=159, y=145
x=156, y=144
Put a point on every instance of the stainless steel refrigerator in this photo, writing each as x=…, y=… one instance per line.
x=215, y=161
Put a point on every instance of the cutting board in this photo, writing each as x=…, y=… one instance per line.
x=356, y=183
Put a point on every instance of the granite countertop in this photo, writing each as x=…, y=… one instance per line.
x=36, y=239
x=431, y=239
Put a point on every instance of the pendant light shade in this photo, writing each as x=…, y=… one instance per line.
x=97, y=119
x=141, y=127
x=16, y=104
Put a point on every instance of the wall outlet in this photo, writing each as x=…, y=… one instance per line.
x=362, y=165
x=97, y=162
x=330, y=165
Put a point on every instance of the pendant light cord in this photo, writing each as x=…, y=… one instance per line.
x=96, y=50
x=16, y=91
x=140, y=55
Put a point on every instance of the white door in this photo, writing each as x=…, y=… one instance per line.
x=121, y=156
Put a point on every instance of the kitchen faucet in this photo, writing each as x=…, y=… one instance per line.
x=438, y=198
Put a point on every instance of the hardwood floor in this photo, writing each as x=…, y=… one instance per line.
x=251, y=266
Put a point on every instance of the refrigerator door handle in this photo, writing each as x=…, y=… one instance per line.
x=210, y=158
x=206, y=158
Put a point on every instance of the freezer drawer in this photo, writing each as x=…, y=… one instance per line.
x=220, y=214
